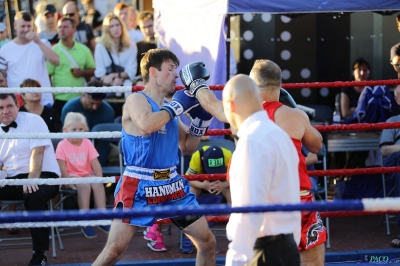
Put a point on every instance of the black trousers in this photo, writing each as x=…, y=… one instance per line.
x=279, y=250
x=36, y=201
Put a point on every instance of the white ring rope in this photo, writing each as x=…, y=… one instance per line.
x=58, y=224
x=68, y=89
x=381, y=204
x=88, y=135
x=56, y=181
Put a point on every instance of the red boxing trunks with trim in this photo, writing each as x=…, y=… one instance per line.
x=313, y=231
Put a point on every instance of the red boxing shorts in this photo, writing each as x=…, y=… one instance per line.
x=140, y=187
x=313, y=231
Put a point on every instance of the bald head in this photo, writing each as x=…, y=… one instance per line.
x=241, y=99
x=267, y=75
x=70, y=9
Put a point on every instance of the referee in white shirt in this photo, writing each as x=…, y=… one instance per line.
x=264, y=170
x=27, y=158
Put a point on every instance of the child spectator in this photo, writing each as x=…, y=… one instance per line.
x=78, y=158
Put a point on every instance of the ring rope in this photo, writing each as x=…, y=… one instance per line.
x=310, y=85
x=88, y=135
x=198, y=177
x=386, y=204
x=57, y=181
x=211, y=132
x=56, y=224
x=215, y=219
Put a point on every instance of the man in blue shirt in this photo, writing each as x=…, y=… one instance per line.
x=96, y=111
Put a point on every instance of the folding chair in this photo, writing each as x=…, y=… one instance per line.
x=109, y=170
x=323, y=113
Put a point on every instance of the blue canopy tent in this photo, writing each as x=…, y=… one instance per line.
x=199, y=21
x=310, y=6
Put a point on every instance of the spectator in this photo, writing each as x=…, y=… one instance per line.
x=76, y=63
x=127, y=14
x=3, y=84
x=133, y=26
x=210, y=160
x=115, y=55
x=145, y=22
x=84, y=33
x=3, y=78
x=25, y=57
x=96, y=111
x=394, y=55
x=50, y=20
x=36, y=159
x=395, y=60
x=32, y=105
x=39, y=10
x=349, y=95
x=398, y=22
x=3, y=34
x=92, y=17
x=78, y=158
x=389, y=145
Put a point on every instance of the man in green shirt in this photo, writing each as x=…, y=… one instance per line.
x=76, y=63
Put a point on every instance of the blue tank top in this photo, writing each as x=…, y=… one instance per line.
x=157, y=151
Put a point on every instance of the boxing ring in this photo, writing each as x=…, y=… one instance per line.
x=214, y=213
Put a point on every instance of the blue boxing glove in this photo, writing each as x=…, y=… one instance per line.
x=194, y=76
x=286, y=98
x=201, y=120
x=182, y=102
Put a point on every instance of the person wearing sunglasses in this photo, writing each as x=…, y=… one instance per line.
x=84, y=33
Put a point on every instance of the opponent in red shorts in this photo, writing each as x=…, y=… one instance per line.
x=295, y=122
x=268, y=77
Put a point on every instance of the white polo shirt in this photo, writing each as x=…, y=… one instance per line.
x=15, y=153
x=263, y=170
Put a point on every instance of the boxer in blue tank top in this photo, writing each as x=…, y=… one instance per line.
x=151, y=135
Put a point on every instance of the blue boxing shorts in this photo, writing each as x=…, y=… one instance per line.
x=142, y=187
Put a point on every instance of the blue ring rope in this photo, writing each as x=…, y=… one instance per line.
x=173, y=211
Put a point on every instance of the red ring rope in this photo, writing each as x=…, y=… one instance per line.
x=310, y=85
x=327, y=128
x=331, y=172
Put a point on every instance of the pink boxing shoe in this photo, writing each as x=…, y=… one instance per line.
x=159, y=244
x=150, y=233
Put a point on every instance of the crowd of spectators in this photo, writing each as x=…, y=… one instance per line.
x=74, y=48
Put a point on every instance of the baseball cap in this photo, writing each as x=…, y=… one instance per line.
x=2, y=27
x=214, y=162
x=49, y=9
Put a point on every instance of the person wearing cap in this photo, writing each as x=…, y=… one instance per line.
x=3, y=34
x=50, y=21
x=96, y=111
x=210, y=160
